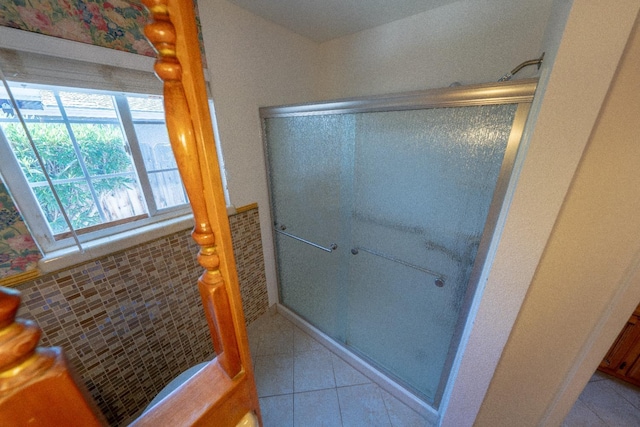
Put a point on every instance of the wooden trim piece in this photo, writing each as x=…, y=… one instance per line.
x=185, y=126
x=16, y=279
x=37, y=387
x=209, y=398
x=246, y=208
x=224, y=391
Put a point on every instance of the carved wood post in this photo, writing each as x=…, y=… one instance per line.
x=189, y=122
x=37, y=386
x=224, y=391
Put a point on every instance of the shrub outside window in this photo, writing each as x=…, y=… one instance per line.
x=106, y=154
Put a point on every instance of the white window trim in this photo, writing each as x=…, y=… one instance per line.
x=126, y=235
x=32, y=212
x=64, y=258
x=11, y=38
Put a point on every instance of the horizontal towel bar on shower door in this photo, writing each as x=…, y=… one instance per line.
x=331, y=247
x=440, y=278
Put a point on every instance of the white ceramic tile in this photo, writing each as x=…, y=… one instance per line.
x=362, y=405
x=316, y=409
x=274, y=375
x=610, y=406
x=599, y=376
x=581, y=416
x=313, y=370
x=253, y=334
x=345, y=374
x=302, y=342
x=276, y=338
x=277, y=411
x=277, y=321
x=400, y=414
x=628, y=391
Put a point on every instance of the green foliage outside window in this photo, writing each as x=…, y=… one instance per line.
x=104, y=153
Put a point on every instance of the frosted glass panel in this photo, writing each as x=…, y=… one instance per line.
x=405, y=196
x=310, y=160
x=423, y=183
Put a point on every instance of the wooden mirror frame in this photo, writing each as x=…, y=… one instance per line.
x=37, y=387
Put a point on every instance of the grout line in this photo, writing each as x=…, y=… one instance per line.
x=600, y=418
x=277, y=395
x=339, y=405
x=609, y=383
x=293, y=409
x=384, y=402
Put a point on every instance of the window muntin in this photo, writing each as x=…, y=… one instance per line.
x=148, y=121
x=81, y=136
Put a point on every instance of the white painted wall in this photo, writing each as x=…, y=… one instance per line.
x=587, y=283
x=466, y=41
x=252, y=63
x=575, y=88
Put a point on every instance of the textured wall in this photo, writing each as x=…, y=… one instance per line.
x=130, y=322
x=466, y=41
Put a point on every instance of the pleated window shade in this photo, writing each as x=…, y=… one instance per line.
x=29, y=67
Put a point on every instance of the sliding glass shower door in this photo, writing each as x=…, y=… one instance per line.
x=379, y=216
x=308, y=191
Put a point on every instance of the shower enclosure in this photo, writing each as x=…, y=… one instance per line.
x=383, y=211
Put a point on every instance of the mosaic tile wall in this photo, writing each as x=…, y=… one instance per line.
x=130, y=322
x=247, y=246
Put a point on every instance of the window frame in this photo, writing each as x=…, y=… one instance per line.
x=95, y=63
x=31, y=209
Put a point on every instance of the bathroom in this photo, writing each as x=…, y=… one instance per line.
x=255, y=63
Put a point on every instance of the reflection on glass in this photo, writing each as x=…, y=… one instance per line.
x=159, y=161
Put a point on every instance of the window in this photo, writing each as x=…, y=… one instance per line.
x=105, y=154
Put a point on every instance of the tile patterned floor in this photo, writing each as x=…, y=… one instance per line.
x=606, y=402
x=302, y=384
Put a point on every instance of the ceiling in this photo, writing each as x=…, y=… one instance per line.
x=322, y=20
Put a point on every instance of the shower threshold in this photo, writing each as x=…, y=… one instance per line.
x=382, y=380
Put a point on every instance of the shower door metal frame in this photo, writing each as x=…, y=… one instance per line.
x=520, y=92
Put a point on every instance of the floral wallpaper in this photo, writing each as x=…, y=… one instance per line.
x=18, y=251
x=116, y=24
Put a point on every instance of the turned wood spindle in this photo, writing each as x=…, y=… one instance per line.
x=180, y=123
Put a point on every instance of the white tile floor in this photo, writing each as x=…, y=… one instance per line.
x=606, y=402
x=301, y=383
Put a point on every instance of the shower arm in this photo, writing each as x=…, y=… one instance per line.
x=537, y=62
